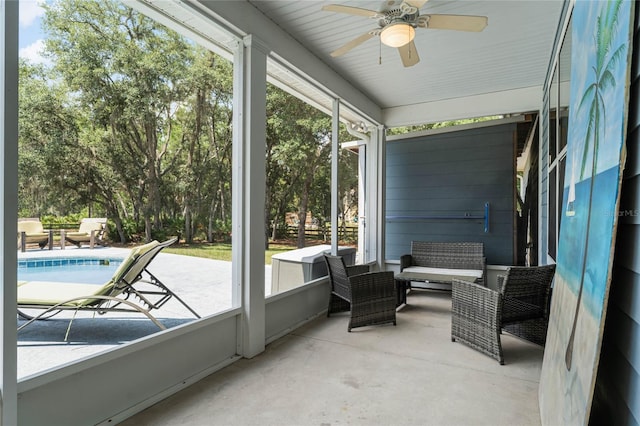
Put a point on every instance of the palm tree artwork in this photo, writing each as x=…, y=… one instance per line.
x=606, y=60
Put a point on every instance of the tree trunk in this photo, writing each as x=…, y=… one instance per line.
x=148, y=236
x=302, y=210
x=302, y=216
x=123, y=237
x=212, y=213
x=188, y=235
x=267, y=219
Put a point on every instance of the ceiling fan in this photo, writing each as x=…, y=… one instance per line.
x=397, y=23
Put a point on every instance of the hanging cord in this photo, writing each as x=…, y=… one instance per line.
x=379, y=50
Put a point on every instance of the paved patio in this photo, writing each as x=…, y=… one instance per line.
x=203, y=284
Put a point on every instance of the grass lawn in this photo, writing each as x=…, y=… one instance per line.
x=222, y=251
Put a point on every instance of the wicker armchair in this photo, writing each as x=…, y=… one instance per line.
x=521, y=307
x=370, y=296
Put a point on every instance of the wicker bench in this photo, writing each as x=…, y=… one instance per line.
x=436, y=262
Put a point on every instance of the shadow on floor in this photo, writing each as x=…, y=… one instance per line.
x=91, y=331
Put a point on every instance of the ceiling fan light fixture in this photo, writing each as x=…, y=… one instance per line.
x=397, y=34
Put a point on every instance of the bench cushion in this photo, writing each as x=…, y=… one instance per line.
x=424, y=273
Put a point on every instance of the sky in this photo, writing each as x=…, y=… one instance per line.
x=30, y=34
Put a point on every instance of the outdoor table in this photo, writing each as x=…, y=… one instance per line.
x=403, y=281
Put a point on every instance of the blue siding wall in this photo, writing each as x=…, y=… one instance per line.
x=617, y=393
x=452, y=175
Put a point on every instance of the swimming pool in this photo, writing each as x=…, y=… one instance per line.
x=89, y=270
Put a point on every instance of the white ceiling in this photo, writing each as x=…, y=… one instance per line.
x=500, y=70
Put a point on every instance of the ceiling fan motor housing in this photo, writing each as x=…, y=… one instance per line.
x=405, y=13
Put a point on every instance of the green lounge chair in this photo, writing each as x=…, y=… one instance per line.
x=113, y=296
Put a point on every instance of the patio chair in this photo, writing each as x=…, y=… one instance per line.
x=521, y=307
x=31, y=231
x=370, y=296
x=149, y=293
x=91, y=231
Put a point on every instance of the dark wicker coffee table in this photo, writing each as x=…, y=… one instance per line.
x=403, y=284
x=403, y=281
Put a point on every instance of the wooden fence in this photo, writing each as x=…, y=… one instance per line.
x=316, y=233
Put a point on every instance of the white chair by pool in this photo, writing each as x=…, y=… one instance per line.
x=91, y=231
x=53, y=297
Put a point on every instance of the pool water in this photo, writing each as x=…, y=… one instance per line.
x=72, y=270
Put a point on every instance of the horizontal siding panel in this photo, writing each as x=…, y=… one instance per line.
x=625, y=292
x=618, y=372
x=492, y=172
x=473, y=205
x=472, y=188
x=612, y=404
x=443, y=162
x=416, y=216
x=442, y=228
x=452, y=175
x=632, y=166
x=627, y=254
x=634, y=112
x=629, y=213
x=623, y=335
x=633, y=117
x=448, y=192
x=440, y=149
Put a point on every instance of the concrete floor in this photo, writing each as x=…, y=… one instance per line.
x=411, y=374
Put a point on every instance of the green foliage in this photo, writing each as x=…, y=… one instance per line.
x=299, y=163
x=410, y=129
x=73, y=218
x=134, y=122
x=131, y=230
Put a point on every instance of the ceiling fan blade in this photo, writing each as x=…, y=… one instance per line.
x=457, y=22
x=350, y=10
x=409, y=54
x=416, y=3
x=350, y=45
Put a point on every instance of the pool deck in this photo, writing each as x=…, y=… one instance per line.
x=204, y=284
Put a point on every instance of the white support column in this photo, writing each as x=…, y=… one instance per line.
x=249, y=186
x=381, y=207
x=363, y=202
x=8, y=209
x=335, y=129
x=375, y=189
